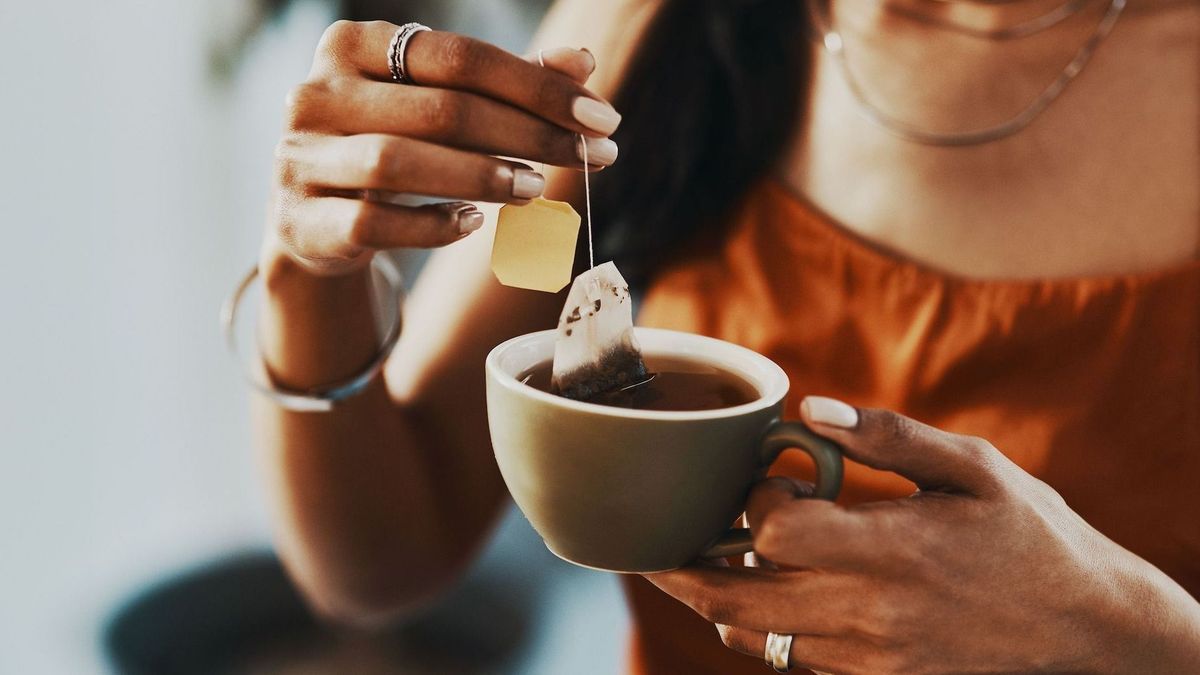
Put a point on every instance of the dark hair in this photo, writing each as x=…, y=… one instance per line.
x=710, y=100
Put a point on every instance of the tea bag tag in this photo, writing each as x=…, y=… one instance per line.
x=535, y=245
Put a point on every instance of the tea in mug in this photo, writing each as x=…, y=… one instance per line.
x=678, y=384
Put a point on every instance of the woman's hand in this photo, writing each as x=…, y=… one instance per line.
x=984, y=569
x=353, y=137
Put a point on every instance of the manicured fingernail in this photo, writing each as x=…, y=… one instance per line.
x=470, y=221
x=829, y=411
x=527, y=184
x=592, y=56
x=600, y=151
x=596, y=115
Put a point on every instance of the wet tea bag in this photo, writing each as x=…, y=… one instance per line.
x=595, y=351
x=596, y=354
x=535, y=245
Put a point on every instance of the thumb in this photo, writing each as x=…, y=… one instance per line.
x=882, y=439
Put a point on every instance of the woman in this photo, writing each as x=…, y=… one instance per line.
x=1034, y=284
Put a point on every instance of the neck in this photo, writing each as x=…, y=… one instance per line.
x=926, y=64
x=1068, y=195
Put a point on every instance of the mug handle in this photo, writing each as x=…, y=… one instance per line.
x=783, y=435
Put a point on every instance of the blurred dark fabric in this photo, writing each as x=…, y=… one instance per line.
x=241, y=615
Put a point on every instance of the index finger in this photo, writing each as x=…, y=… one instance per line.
x=452, y=61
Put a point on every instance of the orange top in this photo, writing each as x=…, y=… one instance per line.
x=1093, y=385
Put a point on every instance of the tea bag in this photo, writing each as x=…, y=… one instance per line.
x=596, y=352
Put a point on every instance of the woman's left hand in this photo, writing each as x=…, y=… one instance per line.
x=983, y=569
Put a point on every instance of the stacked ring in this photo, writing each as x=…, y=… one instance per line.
x=398, y=46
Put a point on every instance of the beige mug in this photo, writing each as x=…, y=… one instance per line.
x=642, y=490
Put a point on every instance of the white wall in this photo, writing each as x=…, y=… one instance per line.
x=131, y=185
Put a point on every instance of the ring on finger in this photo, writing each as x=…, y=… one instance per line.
x=397, y=48
x=778, y=652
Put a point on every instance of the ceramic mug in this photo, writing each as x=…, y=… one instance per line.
x=643, y=491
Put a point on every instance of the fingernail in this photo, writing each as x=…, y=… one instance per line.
x=470, y=221
x=527, y=184
x=829, y=411
x=596, y=115
x=592, y=56
x=600, y=151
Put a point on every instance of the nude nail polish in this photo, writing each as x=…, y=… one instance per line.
x=595, y=115
x=829, y=412
x=470, y=221
x=527, y=184
x=592, y=56
x=601, y=151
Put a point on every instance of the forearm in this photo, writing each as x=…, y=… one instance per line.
x=358, y=522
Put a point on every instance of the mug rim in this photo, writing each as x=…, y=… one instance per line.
x=774, y=391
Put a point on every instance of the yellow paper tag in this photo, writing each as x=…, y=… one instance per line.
x=535, y=245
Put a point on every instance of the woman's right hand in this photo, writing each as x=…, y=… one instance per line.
x=354, y=137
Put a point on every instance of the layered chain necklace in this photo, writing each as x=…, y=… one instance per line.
x=833, y=43
x=1019, y=30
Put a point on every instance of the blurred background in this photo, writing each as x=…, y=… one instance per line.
x=136, y=143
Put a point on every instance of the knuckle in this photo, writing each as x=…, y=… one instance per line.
x=898, y=428
x=546, y=96
x=549, y=136
x=287, y=171
x=286, y=229
x=461, y=57
x=287, y=166
x=378, y=160
x=772, y=536
x=714, y=609
x=444, y=114
x=878, y=620
x=341, y=36
x=984, y=455
x=978, y=447
x=303, y=104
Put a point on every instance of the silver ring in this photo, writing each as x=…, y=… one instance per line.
x=398, y=46
x=778, y=653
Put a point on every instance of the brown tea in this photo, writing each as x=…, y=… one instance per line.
x=677, y=384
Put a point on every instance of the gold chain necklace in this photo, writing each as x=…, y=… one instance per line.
x=832, y=41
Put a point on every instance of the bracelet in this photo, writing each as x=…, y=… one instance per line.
x=311, y=400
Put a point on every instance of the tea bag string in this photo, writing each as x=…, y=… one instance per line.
x=587, y=184
x=587, y=196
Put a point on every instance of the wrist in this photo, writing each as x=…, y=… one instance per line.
x=1152, y=624
x=316, y=327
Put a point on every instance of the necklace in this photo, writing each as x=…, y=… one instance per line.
x=833, y=44
x=1019, y=30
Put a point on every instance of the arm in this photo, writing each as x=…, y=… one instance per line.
x=383, y=501
x=985, y=569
